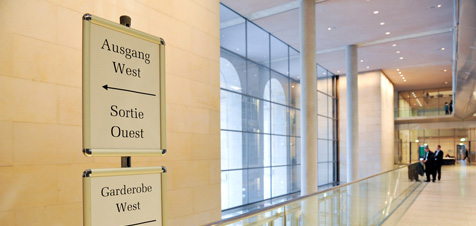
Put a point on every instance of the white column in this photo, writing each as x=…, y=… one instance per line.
x=352, y=114
x=307, y=28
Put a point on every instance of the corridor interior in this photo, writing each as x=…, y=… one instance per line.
x=451, y=201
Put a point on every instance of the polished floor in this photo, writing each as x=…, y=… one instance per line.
x=451, y=201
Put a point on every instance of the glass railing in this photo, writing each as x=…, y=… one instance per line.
x=376, y=200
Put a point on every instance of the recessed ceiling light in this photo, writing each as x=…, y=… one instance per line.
x=438, y=6
x=387, y=33
x=398, y=69
x=367, y=67
x=394, y=45
x=382, y=23
x=338, y=71
x=399, y=72
x=398, y=51
x=292, y=86
x=442, y=49
x=361, y=61
x=401, y=75
x=405, y=80
x=376, y=12
x=446, y=82
x=329, y=28
x=445, y=70
x=401, y=58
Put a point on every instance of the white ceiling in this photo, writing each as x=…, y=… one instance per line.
x=419, y=28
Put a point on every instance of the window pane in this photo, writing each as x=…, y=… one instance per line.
x=279, y=119
x=232, y=72
x=232, y=154
x=279, y=88
x=330, y=127
x=330, y=106
x=295, y=93
x=321, y=104
x=295, y=178
x=294, y=64
x=322, y=84
x=279, y=150
x=322, y=151
x=295, y=150
x=259, y=150
x=279, y=56
x=258, y=44
x=280, y=181
x=295, y=116
x=259, y=184
x=233, y=188
x=255, y=114
x=322, y=127
x=331, y=172
x=258, y=78
x=230, y=110
x=232, y=35
x=322, y=173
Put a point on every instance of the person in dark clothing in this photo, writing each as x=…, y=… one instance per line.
x=438, y=162
x=429, y=161
x=450, y=107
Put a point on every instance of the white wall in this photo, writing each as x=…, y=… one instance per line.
x=376, y=124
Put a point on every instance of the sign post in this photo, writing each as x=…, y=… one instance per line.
x=123, y=115
x=124, y=196
x=123, y=90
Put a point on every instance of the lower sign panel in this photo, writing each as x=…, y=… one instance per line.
x=124, y=197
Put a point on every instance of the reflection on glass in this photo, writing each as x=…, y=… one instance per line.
x=279, y=56
x=258, y=44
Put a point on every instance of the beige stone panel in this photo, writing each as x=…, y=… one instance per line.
x=205, y=96
x=214, y=122
x=55, y=215
x=207, y=45
x=215, y=172
x=197, y=16
x=207, y=217
x=70, y=106
x=173, y=31
x=42, y=61
x=33, y=18
x=179, y=90
x=182, y=221
x=107, y=9
x=70, y=185
x=70, y=27
x=36, y=144
x=188, y=174
x=212, y=5
x=187, y=119
x=206, y=198
x=6, y=143
x=7, y=218
x=27, y=101
x=179, y=203
x=6, y=59
x=194, y=67
x=25, y=184
x=82, y=6
x=179, y=146
x=163, y=6
x=205, y=146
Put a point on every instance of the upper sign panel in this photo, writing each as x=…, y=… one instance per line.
x=123, y=90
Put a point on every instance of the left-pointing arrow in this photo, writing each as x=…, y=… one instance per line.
x=106, y=87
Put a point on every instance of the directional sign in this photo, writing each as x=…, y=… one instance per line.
x=124, y=197
x=123, y=90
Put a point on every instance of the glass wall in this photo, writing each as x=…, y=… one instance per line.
x=425, y=103
x=454, y=143
x=260, y=115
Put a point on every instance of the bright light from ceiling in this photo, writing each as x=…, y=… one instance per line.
x=442, y=49
x=376, y=12
x=398, y=52
x=329, y=28
x=401, y=58
x=387, y=33
x=361, y=61
x=439, y=6
x=382, y=23
x=445, y=70
x=394, y=45
x=368, y=67
x=446, y=82
x=398, y=69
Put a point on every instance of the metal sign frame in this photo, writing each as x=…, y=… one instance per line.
x=91, y=173
x=89, y=19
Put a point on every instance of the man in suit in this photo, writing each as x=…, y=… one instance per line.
x=438, y=162
x=429, y=161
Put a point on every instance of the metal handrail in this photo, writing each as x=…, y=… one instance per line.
x=281, y=204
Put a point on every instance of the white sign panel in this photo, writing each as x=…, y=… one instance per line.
x=123, y=90
x=112, y=197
